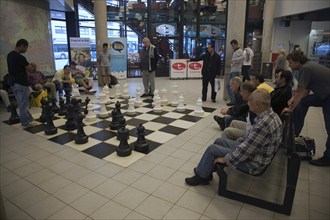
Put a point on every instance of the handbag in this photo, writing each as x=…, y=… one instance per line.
x=217, y=85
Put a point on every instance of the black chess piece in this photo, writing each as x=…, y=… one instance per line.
x=63, y=108
x=87, y=100
x=141, y=145
x=14, y=118
x=123, y=150
x=122, y=123
x=50, y=129
x=55, y=108
x=67, y=96
x=43, y=116
x=81, y=137
x=117, y=106
x=71, y=123
x=114, y=124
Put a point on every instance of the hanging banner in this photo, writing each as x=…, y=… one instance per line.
x=118, y=57
x=195, y=69
x=80, y=53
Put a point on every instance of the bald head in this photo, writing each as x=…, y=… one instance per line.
x=259, y=101
x=146, y=42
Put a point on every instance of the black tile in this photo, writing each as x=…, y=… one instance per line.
x=63, y=127
x=36, y=129
x=172, y=130
x=163, y=120
x=152, y=146
x=190, y=118
x=8, y=123
x=103, y=135
x=135, y=122
x=101, y=150
x=158, y=113
x=186, y=111
x=133, y=132
x=63, y=138
x=207, y=109
x=104, y=124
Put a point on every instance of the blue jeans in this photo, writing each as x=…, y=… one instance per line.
x=230, y=93
x=301, y=110
x=219, y=148
x=22, y=94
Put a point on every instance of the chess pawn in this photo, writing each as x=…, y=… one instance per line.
x=50, y=129
x=123, y=150
x=91, y=116
x=156, y=95
x=199, y=109
x=141, y=144
x=138, y=101
x=114, y=124
x=164, y=100
x=103, y=111
x=106, y=89
x=131, y=109
x=14, y=118
x=81, y=137
x=174, y=101
x=181, y=107
x=125, y=92
x=158, y=107
x=70, y=124
x=117, y=93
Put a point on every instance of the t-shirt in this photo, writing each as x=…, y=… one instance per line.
x=247, y=56
x=316, y=78
x=16, y=63
x=104, y=59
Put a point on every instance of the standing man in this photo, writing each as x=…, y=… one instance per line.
x=149, y=59
x=18, y=67
x=236, y=67
x=247, y=61
x=316, y=78
x=211, y=70
x=104, y=64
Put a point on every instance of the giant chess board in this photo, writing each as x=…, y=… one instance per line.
x=160, y=127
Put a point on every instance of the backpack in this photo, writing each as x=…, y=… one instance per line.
x=114, y=80
x=305, y=147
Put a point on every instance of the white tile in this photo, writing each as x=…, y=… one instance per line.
x=91, y=180
x=89, y=203
x=70, y=192
x=194, y=201
x=45, y=208
x=127, y=176
x=154, y=207
x=182, y=124
x=124, y=161
x=227, y=211
x=109, y=169
x=54, y=184
x=169, y=192
x=161, y=172
x=67, y=213
x=76, y=172
x=15, y=188
x=174, y=115
x=110, y=188
x=146, y=184
x=130, y=197
x=142, y=166
x=160, y=137
x=136, y=216
x=177, y=212
x=146, y=116
x=29, y=197
x=91, y=142
x=28, y=169
x=111, y=210
x=154, y=126
x=172, y=162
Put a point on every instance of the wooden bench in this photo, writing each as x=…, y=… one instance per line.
x=293, y=165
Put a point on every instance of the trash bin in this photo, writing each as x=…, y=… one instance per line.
x=267, y=70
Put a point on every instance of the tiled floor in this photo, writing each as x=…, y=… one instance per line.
x=44, y=180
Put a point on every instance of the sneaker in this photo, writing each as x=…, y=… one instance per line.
x=323, y=161
x=150, y=94
x=144, y=95
x=196, y=180
x=30, y=125
x=220, y=121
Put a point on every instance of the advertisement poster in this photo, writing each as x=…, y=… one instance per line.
x=118, y=57
x=195, y=69
x=80, y=52
x=178, y=68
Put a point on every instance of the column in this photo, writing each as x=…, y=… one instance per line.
x=101, y=31
x=236, y=11
x=268, y=17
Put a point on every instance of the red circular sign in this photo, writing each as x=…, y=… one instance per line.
x=195, y=66
x=178, y=66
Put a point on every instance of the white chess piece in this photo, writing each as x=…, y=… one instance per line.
x=181, y=107
x=131, y=109
x=156, y=94
x=117, y=93
x=91, y=116
x=158, y=107
x=199, y=109
x=138, y=101
x=125, y=92
x=106, y=89
x=164, y=100
x=103, y=100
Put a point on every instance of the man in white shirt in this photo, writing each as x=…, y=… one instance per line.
x=247, y=61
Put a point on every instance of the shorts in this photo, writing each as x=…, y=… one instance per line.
x=105, y=70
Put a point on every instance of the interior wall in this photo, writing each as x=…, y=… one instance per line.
x=29, y=20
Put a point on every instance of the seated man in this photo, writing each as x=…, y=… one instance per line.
x=80, y=78
x=239, y=109
x=38, y=81
x=251, y=153
x=259, y=80
x=63, y=80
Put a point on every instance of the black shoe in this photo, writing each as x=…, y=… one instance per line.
x=230, y=104
x=203, y=100
x=210, y=177
x=213, y=100
x=110, y=87
x=144, y=95
x=323, y=161
x=150, y=94
x=196, y=180
x=220, y=121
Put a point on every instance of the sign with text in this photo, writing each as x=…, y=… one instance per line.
x=80, y=52
x=194, y=69
x=118, y=57
x=178, y=68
